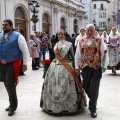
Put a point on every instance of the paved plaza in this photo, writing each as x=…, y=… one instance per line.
x=29, y=92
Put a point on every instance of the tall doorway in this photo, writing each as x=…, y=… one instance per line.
x=45, y=24
x=75, y=26
x=62, y=23
x=20, y=22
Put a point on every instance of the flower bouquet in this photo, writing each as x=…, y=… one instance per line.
x=46, y=64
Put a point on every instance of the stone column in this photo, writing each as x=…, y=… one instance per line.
x=55, y=22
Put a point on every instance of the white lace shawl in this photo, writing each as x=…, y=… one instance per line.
x=63, y=47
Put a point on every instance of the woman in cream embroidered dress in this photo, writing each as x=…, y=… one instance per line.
x=60, y=94
x=105, y=37
x=114, y=55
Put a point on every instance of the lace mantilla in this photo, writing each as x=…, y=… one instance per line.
x=63, y=47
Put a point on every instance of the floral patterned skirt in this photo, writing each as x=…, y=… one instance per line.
x=114, y=57
x=60, y=94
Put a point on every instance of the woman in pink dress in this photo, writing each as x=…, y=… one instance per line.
x=34, y=52
x=114, y=55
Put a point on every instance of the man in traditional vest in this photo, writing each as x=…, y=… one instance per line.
x=91, y=52
x=12, y=48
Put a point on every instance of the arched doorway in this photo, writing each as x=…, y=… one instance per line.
x=75, y=26
x=20, y=22
x=62, y=23
x=45, y=24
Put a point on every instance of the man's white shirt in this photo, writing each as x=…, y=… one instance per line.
x=78, y=38
x=24, y=48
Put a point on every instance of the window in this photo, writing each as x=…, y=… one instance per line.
x=19, y=13
x=45, y=18
x=104, y=24
x=100, y=24
x=62, y=21
x=101, y=6
x=104, y=14
x=94, y=15
x=100, y=14
x=94, y=6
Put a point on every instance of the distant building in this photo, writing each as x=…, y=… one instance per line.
x=102, y=13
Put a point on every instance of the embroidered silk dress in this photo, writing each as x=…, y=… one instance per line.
x=60, y=94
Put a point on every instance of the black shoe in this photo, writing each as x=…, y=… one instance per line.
x=21, y=74
x=93, y=114
x=114, y=70
x=10, y=113
x=7, y=109
x=35, y=69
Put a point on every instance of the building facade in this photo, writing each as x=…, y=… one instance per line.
x=52, y=15
x=88, y=10
x=102, y=13
x=118, y=15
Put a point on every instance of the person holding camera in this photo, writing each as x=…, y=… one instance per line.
x=34, y=52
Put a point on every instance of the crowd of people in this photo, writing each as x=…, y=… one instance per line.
x=94, y=54
x=75, y=70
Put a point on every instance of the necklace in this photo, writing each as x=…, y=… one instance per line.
x=5, y=37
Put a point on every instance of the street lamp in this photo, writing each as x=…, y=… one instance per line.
x=75, y=22
x=108, y=23
x=94, y=22
x=75, y=15
x=33, y=6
